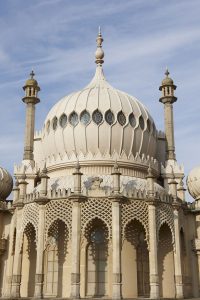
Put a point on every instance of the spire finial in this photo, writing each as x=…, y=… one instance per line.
x=167, y=72
x=99, y=54
x=32, y=74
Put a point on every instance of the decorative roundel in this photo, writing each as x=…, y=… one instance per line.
x=63, y=120
x=141, y=122
x=85, y=117
x=132, y=120
x=109, y=117
x=121, y=118
x=97, y=117
x=73, y=118
x=55, y=123
x=148, y=125
x=48, y=126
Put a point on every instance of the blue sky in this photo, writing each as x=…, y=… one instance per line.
x=57, y=39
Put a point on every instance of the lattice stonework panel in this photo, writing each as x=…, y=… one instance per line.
x=30, y=215
x=135, y=209
x=164, y=214
x=96, y=208
x=58, y=209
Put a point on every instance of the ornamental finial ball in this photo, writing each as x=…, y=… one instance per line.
x=99, y=54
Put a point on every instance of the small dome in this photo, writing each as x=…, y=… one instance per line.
x=31, y=81
x=167, y=80
x=193, y=183
x=6, y=184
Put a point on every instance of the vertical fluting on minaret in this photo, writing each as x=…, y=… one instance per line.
x=31, y=89
x=167, y=87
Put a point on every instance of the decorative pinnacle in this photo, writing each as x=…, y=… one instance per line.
x=99, y=54
x=32, y=74
x=77, y=166
x=167, y=72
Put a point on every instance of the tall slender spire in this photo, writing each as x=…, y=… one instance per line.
x=167, y=98
x=99, y=54
x=30, y=98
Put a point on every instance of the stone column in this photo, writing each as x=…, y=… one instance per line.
x=16, y=277
x=10, y=259
x=77, y=197
x=116, y=248
x=116, y=233
x=153, y=251
x=197, y=249
x=42, y=200
x=177, y=248
x=76, y=228
x=39, y=276
x=177, y=255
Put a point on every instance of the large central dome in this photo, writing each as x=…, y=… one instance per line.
x=98, y=121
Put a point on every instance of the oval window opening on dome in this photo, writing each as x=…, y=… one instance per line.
x=97, y=117
x=148, y=125
x=73, y=119
x=48, y=126
x=55, y=123
x=121, y=118
x=109, y=117
x=63, y=120
x=141, y=122
x=132, y=120
x=85, y=117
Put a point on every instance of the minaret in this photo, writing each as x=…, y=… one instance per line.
x=167, y=87
x=31, y=89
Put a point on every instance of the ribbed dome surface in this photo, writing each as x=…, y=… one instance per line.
x=97, y=119
x=6, y=184
x=193, y=183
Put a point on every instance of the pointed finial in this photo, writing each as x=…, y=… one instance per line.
x=116, y=167
x=99, y=54
x=32, y=74
x=150, y=172
x=167, y=72
x=44, y=170
x=77, y=166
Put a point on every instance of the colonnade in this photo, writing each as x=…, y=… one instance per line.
x=14, y=271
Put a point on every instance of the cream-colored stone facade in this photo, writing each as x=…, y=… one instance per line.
x=99, y=205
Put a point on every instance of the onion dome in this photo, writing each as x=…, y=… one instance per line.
x=193, y=183
x=31, y=81
x=6, y=184
x=98, y=121
x=167, y=80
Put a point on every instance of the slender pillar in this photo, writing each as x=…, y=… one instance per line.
x=153, y=251
x=42, y=200
x=77, y=197
x=7, y=292
x=31, y=89
x=167, y=87
x=197, y=249
x=177, y=248
x=39, y=276
x=116, y=234
x=16, y=277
